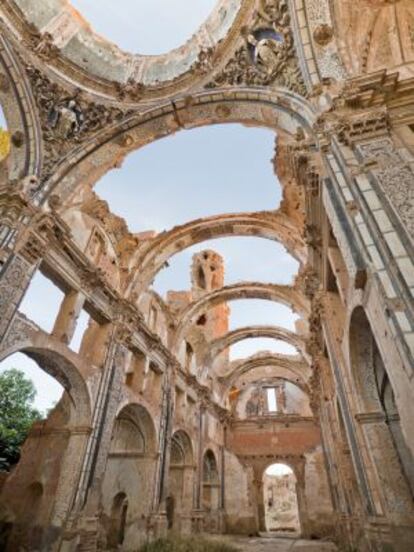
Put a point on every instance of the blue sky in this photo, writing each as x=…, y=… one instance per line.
x=146, y=26
x=195, y=173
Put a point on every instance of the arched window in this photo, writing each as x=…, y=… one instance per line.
x=211, y=482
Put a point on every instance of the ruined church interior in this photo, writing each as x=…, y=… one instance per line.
x=283, y=129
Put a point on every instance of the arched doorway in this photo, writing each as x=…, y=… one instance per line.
x=181, y=478
x=379, y=419
x=119, y=511
x=129, y=477
x=280, y=499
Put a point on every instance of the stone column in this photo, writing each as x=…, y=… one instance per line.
x=301, y=498
x=199, y=471
x=15, y=276
x=165, y=436
x=259, y=494
x=70, y=309
x=187, y=499
x=20, y=248
x=69, y=474
x=103, y=417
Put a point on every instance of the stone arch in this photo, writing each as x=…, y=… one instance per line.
x=134, y=419
x=281, y=110
x=218, y=345
x=272, y=225
x=54, y=445
x=268, y=365
x=184, y=448
x=20, y=112
x=56, y=360
x=112, y=68
x=287, y=295
x=389, y=454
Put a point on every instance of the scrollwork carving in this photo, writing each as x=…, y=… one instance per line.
x=42, y=44
x=18, y=333
x=66, y=118
x=268, y=53
x=204, y=62
x=131, y=90
x=394, y=176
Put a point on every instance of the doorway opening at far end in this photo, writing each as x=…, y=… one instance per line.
x=280, y=500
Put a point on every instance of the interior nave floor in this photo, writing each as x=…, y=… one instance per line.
x=278, y=544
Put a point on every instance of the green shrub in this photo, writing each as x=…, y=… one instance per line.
x=187, y=544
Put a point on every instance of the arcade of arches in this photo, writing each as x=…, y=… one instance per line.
x=158, y=428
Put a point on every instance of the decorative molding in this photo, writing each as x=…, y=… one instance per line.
x=67, y=118
x=268, y=55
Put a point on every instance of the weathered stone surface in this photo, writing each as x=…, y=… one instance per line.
x=158, y=429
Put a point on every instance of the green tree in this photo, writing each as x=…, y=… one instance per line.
x=17, y=414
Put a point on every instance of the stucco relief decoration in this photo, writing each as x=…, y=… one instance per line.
x=268, y=53
x=375, y=33
x=42, y=44
x=131, y=90
x=67, y=119
x=323, y=34
x=204, y=62
x=395, y=178
x=13, y=280
x=321, y=28
x=19, y=333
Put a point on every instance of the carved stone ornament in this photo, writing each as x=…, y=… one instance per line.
x=204, y=62
x=18, y=333
x=268, y=53
x=131, y=90
x=42, y=44
x=394, y=176
x=66, y=118
x=323, y=34
x=99, y=209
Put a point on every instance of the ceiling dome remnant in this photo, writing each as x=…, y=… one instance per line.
x=146, y=28
x=77, y=40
